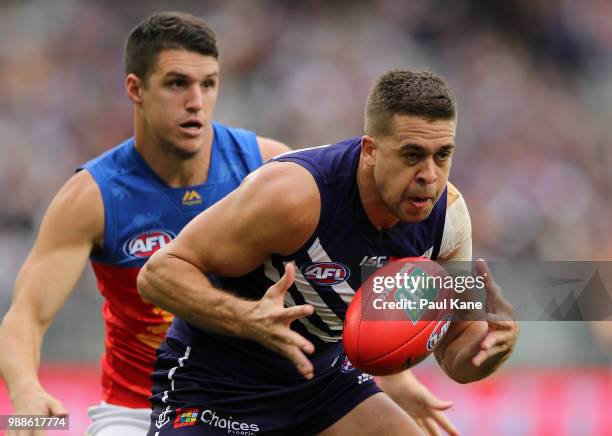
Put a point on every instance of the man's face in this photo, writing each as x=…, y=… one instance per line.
x=178, y=101
x=412, y=164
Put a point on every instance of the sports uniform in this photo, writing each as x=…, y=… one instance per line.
x=142, y=214
x=214, y=384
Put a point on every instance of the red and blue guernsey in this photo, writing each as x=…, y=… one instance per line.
x=142, y=214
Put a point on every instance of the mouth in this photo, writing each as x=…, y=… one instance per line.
x=192, y=127
x=419, y=202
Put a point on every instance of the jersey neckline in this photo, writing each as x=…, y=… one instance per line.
x=212, y=168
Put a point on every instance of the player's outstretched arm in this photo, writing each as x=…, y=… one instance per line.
x=275, y=210
x=471, y=350
x=71, y=225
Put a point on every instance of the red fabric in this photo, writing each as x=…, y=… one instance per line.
x=134, y=331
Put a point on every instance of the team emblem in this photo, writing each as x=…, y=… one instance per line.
x=146, y=243
x=163, y=418
x=347, y=366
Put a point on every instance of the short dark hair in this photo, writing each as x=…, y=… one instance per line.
x=162, y=31
x=404, y=92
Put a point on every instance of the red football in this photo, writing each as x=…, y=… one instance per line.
x=398, y=316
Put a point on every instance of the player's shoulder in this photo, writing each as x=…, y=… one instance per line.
x=82, y=194
x=330, y=164
x=270, y=148
x=276, y=207
x=284, y=191
x=287, y=183
x=81, y=188
x=457, y=237
x=453, y=195
x=78, y=206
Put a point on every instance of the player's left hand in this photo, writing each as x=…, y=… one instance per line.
x=503, y=329
x=418, y=401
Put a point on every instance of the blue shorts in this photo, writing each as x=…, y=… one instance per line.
x=245, y=389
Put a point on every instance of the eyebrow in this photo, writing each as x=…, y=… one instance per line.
x=417, y=147
x=185, y=76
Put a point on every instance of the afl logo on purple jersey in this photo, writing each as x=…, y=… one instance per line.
x=146, y=243
x=325, y=273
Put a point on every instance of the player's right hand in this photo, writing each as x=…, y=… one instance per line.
x=35, y=400
x=502, y=326
x=268, y=322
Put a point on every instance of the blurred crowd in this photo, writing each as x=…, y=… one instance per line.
x=533, y=80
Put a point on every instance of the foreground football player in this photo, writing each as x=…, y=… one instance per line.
x=262, y=355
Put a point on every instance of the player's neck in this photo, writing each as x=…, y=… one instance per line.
x=175, y=171
x=375, y=208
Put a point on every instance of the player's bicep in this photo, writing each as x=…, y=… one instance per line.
x=275, y=210
x=71, y=225
x=218, y=235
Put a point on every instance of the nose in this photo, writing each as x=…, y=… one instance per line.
x=426, y=174
x=195, y=99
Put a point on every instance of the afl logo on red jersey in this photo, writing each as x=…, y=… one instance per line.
x=325, y=273
x=146, y=243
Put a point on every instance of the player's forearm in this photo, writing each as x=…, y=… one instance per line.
x=399, y=387
x=179, y=287
x=20, y=339
x=395, y=382
x=455, y=358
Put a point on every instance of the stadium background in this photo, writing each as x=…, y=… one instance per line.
x=534, y=84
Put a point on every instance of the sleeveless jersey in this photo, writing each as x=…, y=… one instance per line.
x=328, y=266
x=142, y=214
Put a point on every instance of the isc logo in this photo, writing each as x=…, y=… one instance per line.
x=374, y=261
x=146, y=243
x=325, y=273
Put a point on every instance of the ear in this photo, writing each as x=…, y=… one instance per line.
x=133, y=88
x=368, y=149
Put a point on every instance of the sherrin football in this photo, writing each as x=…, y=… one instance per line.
x=398, y=316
